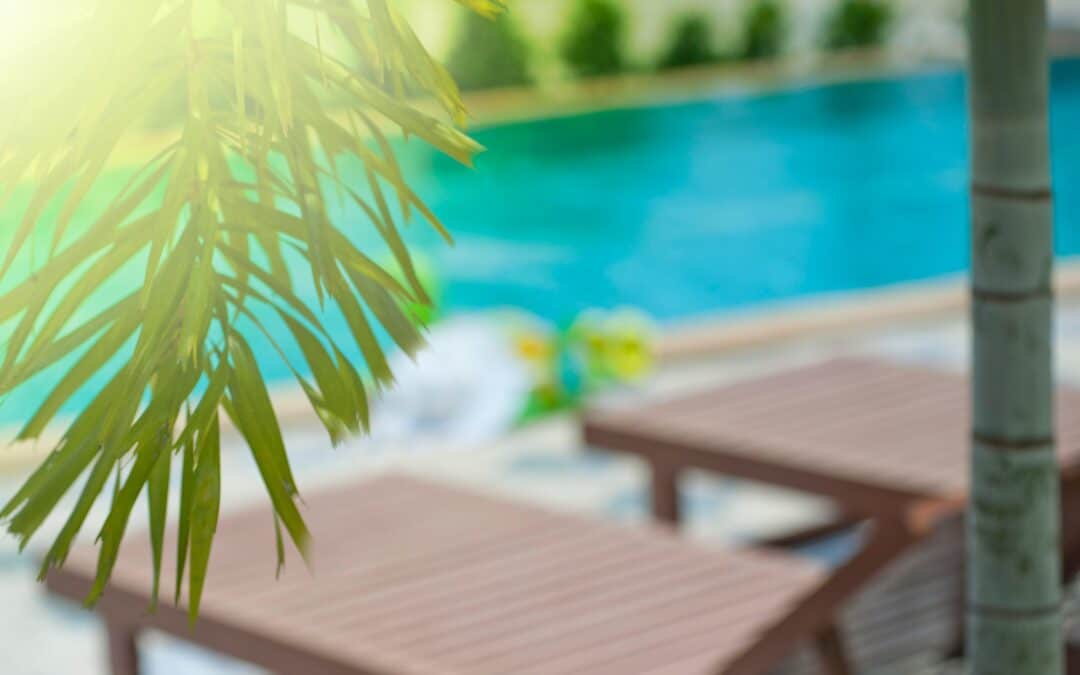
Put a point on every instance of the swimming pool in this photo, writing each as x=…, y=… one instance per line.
x=723, y=203
x=726, y=202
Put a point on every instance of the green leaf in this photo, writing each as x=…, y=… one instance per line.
x=397, y=247
x=187, y=496
x=86, y=285
x=40, y=357
x=279, y=547
x=323, y=367
x=45, y=192
x=196, y=317
x=363, y=334
x=148, y=454
x=203, y=514
x=157, y=500
x=388, y=313
x=356, y=388
x=275, y=285
x=250, y=409
x=92, y=361
x=33, y=502
x=35, y=290
x=115, y=442
x=333, y=424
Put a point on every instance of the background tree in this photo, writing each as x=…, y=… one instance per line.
x=690, y=44
x=857, y=23
x=489, y=53
x=594, y=42
x=764, y=30
x=216, y=225
x=1014, y=562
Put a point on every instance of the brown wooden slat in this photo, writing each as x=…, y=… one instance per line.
x=428, y=580
x=677, y=447
x=557, y=626
x=659, y=647
x=815, y=375
x=572, y=605
x=378, y=571
x=845, y=429
x=447, y=589
x=580, y=641
x=563, y=584
x=505, y=615
x=728, y=405
x=879, y=396
x=856, y=464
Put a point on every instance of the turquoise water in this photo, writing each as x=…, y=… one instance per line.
x=727, y=202
x=724, y=203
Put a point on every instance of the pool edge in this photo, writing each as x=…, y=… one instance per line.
x=811, y=317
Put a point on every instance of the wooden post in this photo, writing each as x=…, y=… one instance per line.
x=123, y=650
x=665, y=493
x=1014, y=575
x=832, y=653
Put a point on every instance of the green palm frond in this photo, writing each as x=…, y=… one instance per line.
x=205, y=228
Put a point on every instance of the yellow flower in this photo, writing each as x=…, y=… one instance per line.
x=630, y=358
x=533, y=347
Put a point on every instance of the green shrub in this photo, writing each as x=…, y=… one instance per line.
x=690, y=43
x=858, y=23
x=764, y=29
x=489, y=53
x=593, y=43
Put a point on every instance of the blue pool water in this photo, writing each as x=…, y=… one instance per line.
x=726, y=202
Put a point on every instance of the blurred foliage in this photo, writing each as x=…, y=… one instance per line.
x=594, y=42
x=428, y=311
x=690, y=44
x=597, y=350
x=207, y=222
x=858, y=23
x=764, y=29
x=489, y=53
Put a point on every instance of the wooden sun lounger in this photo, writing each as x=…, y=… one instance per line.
x=886, y=443
x=414, y=578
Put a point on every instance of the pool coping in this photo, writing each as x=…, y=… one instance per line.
x=644, y=89
x=840, y=313
x=814, y=316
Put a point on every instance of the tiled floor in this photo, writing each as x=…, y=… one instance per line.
x=542, y=463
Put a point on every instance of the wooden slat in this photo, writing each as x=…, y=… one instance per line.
x=845, y=428
x=421, y=579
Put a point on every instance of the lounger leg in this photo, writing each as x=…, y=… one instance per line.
x=1072, y=660
x=123, y=653
x=1070, y=532
x=665, y=493
x=959, y=639
x=830, y=649
x=888, y=539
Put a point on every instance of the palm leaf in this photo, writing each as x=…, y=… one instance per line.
x=208, y=224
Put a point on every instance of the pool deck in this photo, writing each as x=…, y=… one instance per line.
x=544, y=463
x=907, y=303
